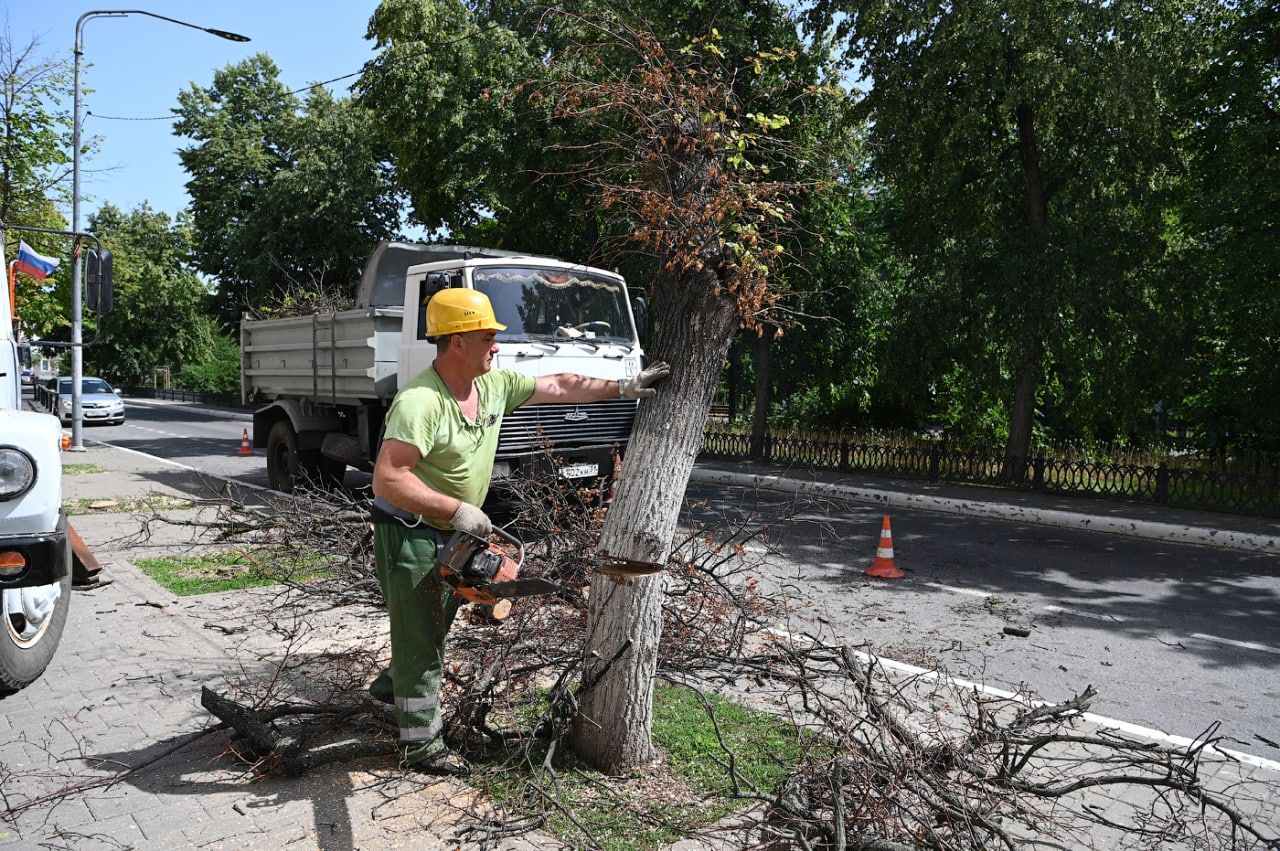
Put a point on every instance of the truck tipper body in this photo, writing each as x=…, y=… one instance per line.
x=322, y=384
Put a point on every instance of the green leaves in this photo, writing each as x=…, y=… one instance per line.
x=1022, y=141
x=158, y=319
x=285, y=192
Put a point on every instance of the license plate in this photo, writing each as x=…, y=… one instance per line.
x=578, y=471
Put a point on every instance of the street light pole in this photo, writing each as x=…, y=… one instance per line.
x=77, y=307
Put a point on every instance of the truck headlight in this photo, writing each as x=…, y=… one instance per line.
x=17, y=472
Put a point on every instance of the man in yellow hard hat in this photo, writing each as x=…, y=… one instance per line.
x=431, y=476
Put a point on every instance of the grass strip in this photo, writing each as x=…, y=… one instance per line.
x=78, y=469
x=688, y=790
x=229, y=570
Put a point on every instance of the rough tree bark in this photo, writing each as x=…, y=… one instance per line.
x=692, y=333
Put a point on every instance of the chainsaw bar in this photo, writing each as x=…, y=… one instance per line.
x=528, y=587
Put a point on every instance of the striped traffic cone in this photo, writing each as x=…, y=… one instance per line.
x=883, y=567
x=245, y=448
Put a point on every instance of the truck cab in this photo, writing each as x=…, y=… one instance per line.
x=323, y=383
x=560, y=318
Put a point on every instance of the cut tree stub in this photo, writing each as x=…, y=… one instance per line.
x=626, y=568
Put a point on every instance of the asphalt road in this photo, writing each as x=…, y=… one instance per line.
x=185, y=436
x=1174, y=637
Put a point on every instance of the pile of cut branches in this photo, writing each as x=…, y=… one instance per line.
x=890, y=760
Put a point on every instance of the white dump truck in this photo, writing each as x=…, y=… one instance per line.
x=322, y=383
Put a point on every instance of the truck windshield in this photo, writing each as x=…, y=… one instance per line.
x=556, y=304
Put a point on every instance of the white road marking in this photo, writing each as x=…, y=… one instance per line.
x=218, y=440
x=1139, y=731
x=972, y=592
x=1247, y=645
x=180, y=465
x=1083, y=614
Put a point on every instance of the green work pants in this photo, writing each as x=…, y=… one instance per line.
x=421, y=608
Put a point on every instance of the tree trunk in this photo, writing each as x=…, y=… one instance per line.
x=764, y=396
x=693, y=326
x=1018, y=446
x=1036, y=278
x=735, y=372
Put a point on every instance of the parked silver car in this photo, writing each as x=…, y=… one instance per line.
x=98, y=402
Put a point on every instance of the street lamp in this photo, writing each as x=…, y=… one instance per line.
x=77, y=319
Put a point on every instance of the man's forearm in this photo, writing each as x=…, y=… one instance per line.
x=571, y=388
x=406, y=491
x=567, y=387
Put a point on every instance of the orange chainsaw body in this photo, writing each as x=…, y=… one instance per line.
x=468, y=565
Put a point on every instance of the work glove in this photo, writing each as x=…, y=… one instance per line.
x=471, y=520
x=641, y=386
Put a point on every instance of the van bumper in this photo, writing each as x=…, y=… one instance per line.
x=45, y=558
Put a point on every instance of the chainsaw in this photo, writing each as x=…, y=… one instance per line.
x=483, y=572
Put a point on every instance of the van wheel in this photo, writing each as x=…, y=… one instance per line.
x=33, y=620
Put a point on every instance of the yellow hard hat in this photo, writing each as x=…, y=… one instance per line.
x=457, y=310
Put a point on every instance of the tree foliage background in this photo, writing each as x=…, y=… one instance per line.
x=35, y=168
x=286, y=193
x=160, y=316
x=1051, y=223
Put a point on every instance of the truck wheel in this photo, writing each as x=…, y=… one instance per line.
x=322, y=471
x=282, y=457
x=33, y=619
x=291, y=469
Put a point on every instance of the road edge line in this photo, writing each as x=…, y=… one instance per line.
x=180, y=465
x=1149, y=733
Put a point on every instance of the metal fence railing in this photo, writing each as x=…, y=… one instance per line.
x=1162, y=484
x=225, y=400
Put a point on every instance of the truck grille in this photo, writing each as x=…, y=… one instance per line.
x=532, y=427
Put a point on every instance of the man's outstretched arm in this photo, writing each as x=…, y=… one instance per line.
x=570, y=388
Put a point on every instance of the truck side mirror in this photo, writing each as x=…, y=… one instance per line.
x=98, y=284
x=641, y=311
x=434, y=283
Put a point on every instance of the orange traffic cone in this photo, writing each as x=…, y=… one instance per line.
x=883, y=567
x=246, y=449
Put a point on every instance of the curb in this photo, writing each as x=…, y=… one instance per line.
x=1173, y=533
x=218, y=413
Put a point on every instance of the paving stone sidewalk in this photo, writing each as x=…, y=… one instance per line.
x=123, y=692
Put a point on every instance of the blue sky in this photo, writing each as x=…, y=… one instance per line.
x=137, y=65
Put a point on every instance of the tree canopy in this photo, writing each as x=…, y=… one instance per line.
x=159, y=316
x=35, y=169
x=1024, y=145
x=285, y=193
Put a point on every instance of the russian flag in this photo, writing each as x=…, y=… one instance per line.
x=36, y=265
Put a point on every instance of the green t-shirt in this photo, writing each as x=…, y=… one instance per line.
x=457, y=454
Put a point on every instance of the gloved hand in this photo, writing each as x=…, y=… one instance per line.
x=641, y=386
x=472, y=520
